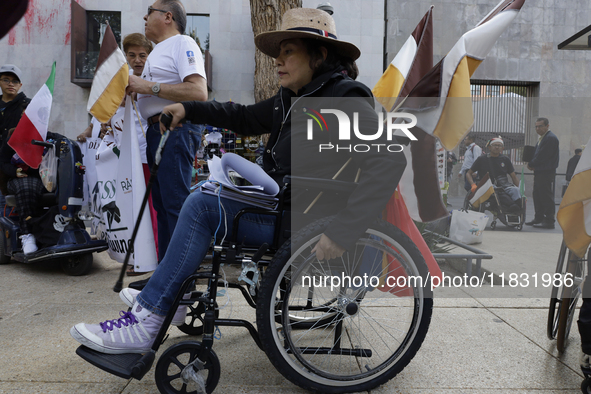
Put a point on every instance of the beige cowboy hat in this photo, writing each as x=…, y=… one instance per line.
x=305, y=23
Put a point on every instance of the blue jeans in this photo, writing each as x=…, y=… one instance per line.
x=173, y=182
x=198, y=222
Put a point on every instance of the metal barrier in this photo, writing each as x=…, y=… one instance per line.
x=476, y=254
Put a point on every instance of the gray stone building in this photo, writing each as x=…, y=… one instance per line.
x=525, y=60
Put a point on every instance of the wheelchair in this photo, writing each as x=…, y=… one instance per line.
x=349, y=337
x=72, y=245
x=514, y=218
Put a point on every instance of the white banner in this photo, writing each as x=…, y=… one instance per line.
x=118, y=191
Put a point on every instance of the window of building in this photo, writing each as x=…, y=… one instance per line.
x=88, y=29
x=198, y=29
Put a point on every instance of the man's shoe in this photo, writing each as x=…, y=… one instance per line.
x=128, y=297
x=535, y=221
x=546, y=225
x=133, y=332
x=29, y=243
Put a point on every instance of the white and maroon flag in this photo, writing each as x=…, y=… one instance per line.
x=33, y=124
x=449, y=115
x=110, y=79
x=410, y=64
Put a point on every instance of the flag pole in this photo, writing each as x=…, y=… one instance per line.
x=334, y=177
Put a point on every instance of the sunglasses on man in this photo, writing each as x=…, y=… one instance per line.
x=150, y=9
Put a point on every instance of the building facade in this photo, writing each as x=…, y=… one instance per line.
x=557, y=82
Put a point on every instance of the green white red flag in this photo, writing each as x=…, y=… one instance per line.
x=33, y=124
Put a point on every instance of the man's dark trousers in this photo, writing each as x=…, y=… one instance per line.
x=543, y=195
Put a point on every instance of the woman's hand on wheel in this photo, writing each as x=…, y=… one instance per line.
x=177, y=111
x=327, y=249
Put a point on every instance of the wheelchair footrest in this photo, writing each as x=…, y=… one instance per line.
x=127, y=365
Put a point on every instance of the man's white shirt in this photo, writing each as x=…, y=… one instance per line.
x=472, y=153
x=171, y=61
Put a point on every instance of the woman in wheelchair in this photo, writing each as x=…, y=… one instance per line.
x=26, y=185
x=498, y=166
x=310, y=63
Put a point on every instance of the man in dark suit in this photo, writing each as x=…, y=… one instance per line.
x=572, y=164
x=544, y=164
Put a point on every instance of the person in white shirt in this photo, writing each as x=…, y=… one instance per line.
x=174, y=72
x=473, y=152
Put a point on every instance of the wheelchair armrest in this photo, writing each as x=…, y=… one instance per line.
x=320, y=184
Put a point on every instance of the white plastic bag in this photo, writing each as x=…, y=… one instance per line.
x=48, y=170
x=467, y=226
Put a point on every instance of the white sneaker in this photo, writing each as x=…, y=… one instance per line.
x=133, y=332
x=584, y=361
x=29, y=244
x=128, y=296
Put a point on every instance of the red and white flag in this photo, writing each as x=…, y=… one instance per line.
x=33, y=124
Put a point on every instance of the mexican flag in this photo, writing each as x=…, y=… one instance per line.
x=33, y=124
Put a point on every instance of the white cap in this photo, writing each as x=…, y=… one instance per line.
x=11, y=68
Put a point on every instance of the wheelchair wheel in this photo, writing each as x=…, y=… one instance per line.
x=179, y=371
x=194, y=320
x=575, y=269
x=77, y=265
x=555, y=299
x=359, y=335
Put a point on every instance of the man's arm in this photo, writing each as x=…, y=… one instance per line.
x=514, y=178
x=193, y=88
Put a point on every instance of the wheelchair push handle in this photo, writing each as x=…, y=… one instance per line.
x=42, y=143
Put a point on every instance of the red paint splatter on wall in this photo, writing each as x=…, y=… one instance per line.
x=40, y=18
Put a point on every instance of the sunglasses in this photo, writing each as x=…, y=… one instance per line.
x=150, y=9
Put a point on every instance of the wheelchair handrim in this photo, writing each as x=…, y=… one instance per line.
x=339, y=380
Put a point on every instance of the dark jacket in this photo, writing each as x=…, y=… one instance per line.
x=546, y=154
x=572, y=166
x=7, y=167
x=380, y=172
x=11, y=114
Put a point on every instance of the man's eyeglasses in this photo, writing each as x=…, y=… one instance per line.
x=150, y=9
x=9, y=81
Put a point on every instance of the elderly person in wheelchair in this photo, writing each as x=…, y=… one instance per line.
x=310, y=62
x=498, y=166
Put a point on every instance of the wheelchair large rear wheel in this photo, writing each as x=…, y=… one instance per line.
x=360, y=333
x=556, y=295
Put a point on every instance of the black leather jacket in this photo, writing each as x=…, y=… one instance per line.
x=380, y=173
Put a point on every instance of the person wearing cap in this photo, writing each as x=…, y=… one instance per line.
x=12, y=102
x=174, y=71
x=311, y=62
x=498, y=166
x=12, y=105
x=544, y=164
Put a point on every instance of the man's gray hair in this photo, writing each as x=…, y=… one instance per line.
x=178, y=13
x=544, y=120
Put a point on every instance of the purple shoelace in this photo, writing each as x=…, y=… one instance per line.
x=126, y=319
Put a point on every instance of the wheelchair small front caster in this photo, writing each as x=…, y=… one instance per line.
x=493, y=225
x=179, y=370
x=586, y=385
